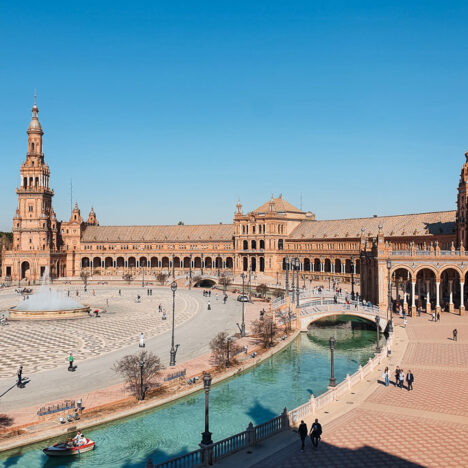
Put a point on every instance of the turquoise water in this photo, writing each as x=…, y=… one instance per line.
x=285, y=380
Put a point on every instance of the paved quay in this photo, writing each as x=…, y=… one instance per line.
x=387, y=426
x=196, y=326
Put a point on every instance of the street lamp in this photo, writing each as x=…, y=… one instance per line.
x=287, y=276
x=173, y=352
x=298, y=267
x=19, y=275
x=142, y=365
x=352, y=277
x=242, y=326
x=143, y=280
x=332, y=369
x=228, y=342
x=389, y=308
x=377, y=323
x=293, y=289
x=206, y=436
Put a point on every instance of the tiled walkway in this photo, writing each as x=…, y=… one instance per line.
x=393, y=427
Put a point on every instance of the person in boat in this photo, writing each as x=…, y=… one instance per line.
x=79, y=439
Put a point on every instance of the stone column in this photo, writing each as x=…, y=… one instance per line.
x=405, y=303
x=462, y=299
x=450, y=295
x=428, y=296
x=437, y=296
x=413, y=297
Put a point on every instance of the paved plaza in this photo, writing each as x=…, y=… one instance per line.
x=42, y=347
x=391, y=426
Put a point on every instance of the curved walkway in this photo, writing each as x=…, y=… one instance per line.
x=380, y=426
x=96, y=373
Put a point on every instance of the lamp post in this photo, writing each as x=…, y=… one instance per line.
x=332, y=369
x=377, y=323
x=250, y=284
x=142, y=365
x=228, y=342
x=19, y=275
x=287, y=276
x=293, y=289
x=242, y=326
x=389, y=308
x=143, y=280
x=206, y=436
x=298, y=266
x=173, y=352
x=352, y=277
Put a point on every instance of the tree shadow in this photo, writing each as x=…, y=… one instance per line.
x=5, y=421
x=259, y=413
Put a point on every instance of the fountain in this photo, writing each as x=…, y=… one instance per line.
x=47, y=303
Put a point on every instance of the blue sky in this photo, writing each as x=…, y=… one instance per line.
x=168, y=111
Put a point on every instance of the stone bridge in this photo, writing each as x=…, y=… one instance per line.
x=315, y=308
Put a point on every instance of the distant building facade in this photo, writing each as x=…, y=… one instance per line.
x=419, y=258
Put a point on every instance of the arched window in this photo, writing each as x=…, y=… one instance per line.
x=280, y=244
x=32, y=147
x=262, y=244
x=245, y=245
x=254, y=245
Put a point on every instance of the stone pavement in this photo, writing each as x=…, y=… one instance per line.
x=390, y=426
x=46, y=344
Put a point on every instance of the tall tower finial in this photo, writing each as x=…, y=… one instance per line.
x=35, y=97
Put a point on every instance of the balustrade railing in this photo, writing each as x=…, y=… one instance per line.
x=210, y=454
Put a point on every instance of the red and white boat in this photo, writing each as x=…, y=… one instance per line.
x=63, y=449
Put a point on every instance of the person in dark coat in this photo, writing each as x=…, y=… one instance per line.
x=302, y=431
x=455, y=334
x=410, y=380
x=315, y=433
x=20, y=376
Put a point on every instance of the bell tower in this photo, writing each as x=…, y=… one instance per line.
x=462, y=206
x=35, y=227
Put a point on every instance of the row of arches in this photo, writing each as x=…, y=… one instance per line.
x=327, y=265
x=253, y=264
x=428, y=288
x=155, y=262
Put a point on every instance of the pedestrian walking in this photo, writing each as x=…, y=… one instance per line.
x=419, y=311
x=455, y=334
x=433, y=317
x=410, y=380
x=70, y=362
x=405, y=322
x=142, y=340
x=20, y=376
x=209, y=305
x=397, y=377
x=302, y=431
x=386, y=377
x=315, y=433
x=120, y=292
x=402, y=379
x=160, y=308
x=438, y=316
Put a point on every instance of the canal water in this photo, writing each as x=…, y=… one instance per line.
x=284, y=380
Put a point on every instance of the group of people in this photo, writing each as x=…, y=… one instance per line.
x=399, y=378
x=77, y=441
x=206, y=293
x=315, y=433
x=4, y=320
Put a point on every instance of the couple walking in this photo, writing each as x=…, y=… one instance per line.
x=315, y=433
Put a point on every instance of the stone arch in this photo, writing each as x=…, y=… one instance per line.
x=143, y=262
x=426, y=278
x=154, y=262
x=306, y=264
x=97, y=262
x=120, y=262
x=108, y=262
x=165, y=262
x=218, y=262
x=25, y=269
x=186, y=262
x=337, y=265
x=229, y=262
x=205, y=283
x=253, y=264
x=197, y=262
x=131, y=262
x=176, y=262
x=208, y=262
x=245, y=264
x=317, y=264
x=450, y=288
x=262, y=263
x=327, y=265
x=85, y=262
